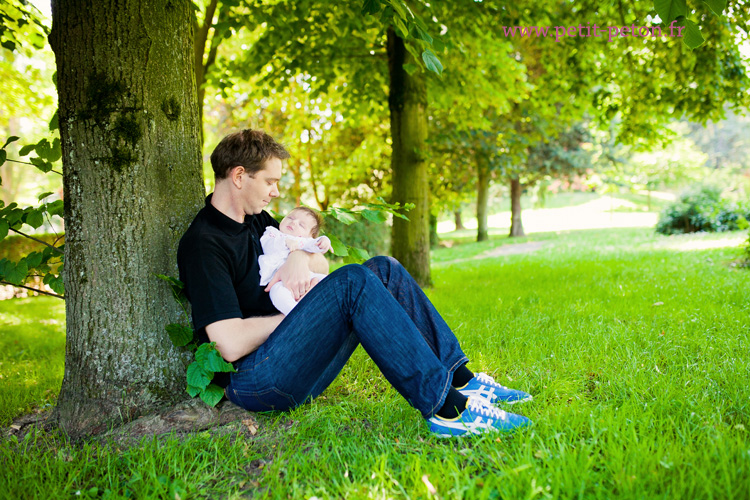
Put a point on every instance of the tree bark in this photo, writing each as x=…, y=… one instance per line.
x=483, y=189
x=458, y=221
x=516, y=225
x=407, y=101
x=133, y=181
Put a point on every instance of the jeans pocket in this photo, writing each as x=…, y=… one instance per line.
x=268, y=400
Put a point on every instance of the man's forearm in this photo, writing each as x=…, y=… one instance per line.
x=237, y=337
x=318, y=263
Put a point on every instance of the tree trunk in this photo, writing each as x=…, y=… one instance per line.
x=407, y=101
x=483, y=189
x=200, y=40
x=516, y=226
x=132, y=180
x=434, y=238
x=458, y=221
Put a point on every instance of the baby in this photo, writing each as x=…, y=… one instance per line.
x=297, y=231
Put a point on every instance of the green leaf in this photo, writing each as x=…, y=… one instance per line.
x=3, y=156
x=212, y=394
x=12, y=138
x=44, y=149
x=44, y=195
x=197, y=376
x=55, y=208
x=342, y=215
x=374, y=216
x=35, y=218
x=209, y=358
x=4, y=228
x=55, y=282
x=41, y=164
x=356, y=256
x=716, y=6
x=24, y=151
x=15, y=274
x=54, y=123
x=193, y=391
x=692, y=35
x=34, y=259
x=56, y=151
x=669, y=10
x=180, y=335
x=423, y=35
x=432, y=62
x=410, y=68
x=337, y=246
x=370, y=7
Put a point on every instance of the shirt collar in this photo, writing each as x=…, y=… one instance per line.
x=224, y=222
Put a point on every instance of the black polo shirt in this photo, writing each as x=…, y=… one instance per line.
x=218, y=262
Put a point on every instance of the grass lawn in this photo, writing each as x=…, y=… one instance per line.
x=634, y=345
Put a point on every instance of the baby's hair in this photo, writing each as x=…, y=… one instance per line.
x=315, y=231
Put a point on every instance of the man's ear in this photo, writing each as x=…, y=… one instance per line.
x=235, y=175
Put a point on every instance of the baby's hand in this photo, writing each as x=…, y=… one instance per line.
x=324, y=244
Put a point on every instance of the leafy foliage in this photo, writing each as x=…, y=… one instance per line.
x=703, y=209
x=207, y=360
x=46, y=264
x=372, y=212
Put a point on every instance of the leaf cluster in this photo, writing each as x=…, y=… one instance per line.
x=207, y=359
x=373, y=212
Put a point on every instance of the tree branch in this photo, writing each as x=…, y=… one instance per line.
x=37, y=240
x=34, y=290
x=27, y=163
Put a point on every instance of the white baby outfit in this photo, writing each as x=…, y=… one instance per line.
x=275, y=253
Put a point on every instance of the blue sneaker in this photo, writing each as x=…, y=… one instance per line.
x=483, y=386
x=479, y=417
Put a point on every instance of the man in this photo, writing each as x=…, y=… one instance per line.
x=283, y=362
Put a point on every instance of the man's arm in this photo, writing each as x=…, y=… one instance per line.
x=238, y=337
x=295, y=273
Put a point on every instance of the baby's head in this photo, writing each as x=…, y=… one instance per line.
x=302, y=221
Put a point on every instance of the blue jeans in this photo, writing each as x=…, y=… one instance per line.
x=377, y=304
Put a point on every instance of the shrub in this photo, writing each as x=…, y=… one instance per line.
x=702, y=209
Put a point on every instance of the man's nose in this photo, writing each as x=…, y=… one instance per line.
x=275, y=192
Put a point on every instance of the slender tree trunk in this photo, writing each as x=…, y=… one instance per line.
x=408, y=104
x=132, y=179
x=458, y=221
x=516, y=225
x=200, y=40
x=483, y=189
x=434, y=238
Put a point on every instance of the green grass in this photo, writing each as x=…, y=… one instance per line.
x=634, y=345
x=32, y=354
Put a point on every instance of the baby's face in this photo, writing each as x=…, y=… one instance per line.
x=297, y=223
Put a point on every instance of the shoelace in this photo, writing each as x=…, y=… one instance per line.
x=480, y=406
x=486, y=379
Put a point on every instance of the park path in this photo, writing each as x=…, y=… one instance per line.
x=510, y=249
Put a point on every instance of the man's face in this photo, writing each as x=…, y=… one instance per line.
x=258, y=191
x=297, y=223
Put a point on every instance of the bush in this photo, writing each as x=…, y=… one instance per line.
x=702, y=209
x=373, y=237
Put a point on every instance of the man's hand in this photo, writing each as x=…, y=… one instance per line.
x=294, y=274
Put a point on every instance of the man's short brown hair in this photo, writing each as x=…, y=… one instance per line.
x=315, y=230
x=246, y=148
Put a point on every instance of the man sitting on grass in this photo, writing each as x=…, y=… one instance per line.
x=285, y=361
